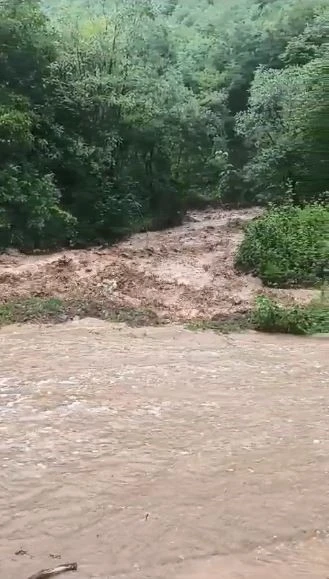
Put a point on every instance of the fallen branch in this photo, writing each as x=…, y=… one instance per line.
x=46, y=573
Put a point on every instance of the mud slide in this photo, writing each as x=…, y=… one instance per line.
x=156, y=453
x=181, y=274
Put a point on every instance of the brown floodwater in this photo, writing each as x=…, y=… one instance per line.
x=161, y=452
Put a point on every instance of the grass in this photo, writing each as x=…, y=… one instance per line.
x=31, y=309
x=267, y=316
x=54, y=310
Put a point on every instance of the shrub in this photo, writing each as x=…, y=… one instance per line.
x=288, y=246
x=269, y=316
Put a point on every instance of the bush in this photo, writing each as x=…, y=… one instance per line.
x=288, y=246
x=30, y=215
x=269, y=316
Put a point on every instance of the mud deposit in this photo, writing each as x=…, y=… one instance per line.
x=180, y=274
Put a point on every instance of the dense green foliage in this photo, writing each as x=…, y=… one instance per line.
x=269, y=316
x=117, y=115
x=287, y=246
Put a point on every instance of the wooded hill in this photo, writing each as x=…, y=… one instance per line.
x=118, y=115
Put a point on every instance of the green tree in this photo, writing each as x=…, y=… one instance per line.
x=116, y=116
x=29, y=199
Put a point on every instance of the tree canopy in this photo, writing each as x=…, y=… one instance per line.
x=117, y=115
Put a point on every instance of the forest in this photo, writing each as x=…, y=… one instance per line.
x=118, y=115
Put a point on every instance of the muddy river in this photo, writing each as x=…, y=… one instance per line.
x=159, y=452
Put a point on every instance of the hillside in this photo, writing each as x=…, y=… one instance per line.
x=118, y=117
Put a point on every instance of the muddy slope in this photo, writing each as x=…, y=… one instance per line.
x=179, y=274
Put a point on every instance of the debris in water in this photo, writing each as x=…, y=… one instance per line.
x=21, y=552
x=46, y=573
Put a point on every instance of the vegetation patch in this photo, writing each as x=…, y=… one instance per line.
x=54, y=310
x=270, y=316
x=31, y=309
x=223, y=324
x=288, y=246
